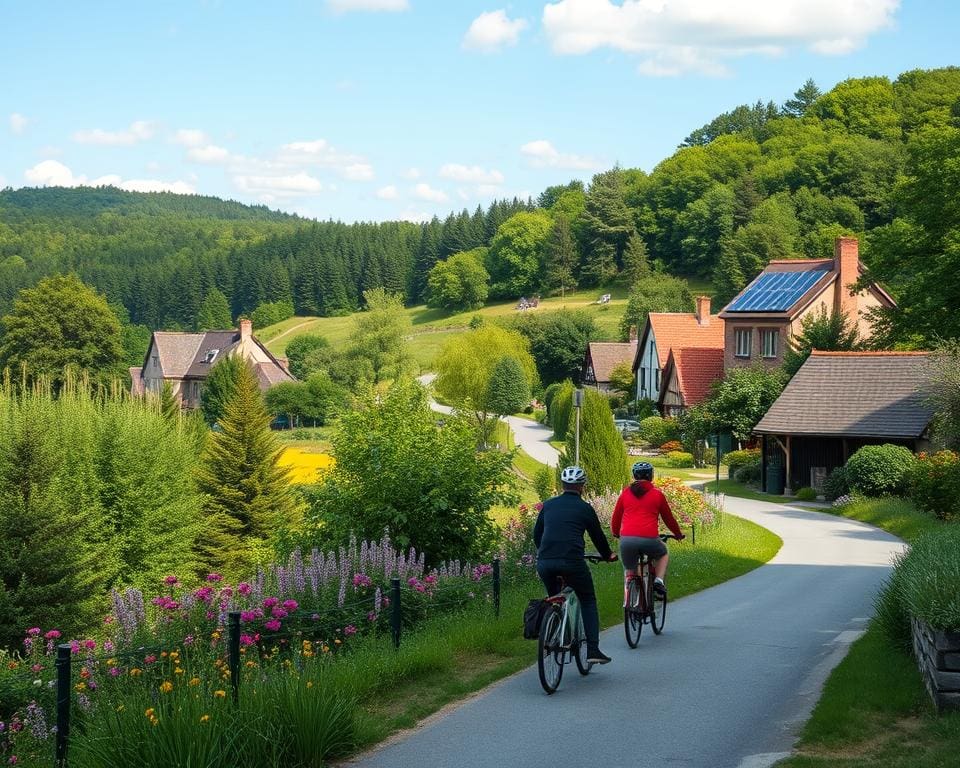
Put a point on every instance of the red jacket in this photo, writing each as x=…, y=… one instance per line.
x=640, y=516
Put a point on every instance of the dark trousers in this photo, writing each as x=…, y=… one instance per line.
x=576, y=575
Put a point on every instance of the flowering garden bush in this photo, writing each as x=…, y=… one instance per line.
x=160, y=663
x=688, y=506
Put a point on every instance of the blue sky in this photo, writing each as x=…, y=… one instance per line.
x=383, y=109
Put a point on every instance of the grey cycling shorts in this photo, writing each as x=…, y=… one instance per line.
x=631, y=547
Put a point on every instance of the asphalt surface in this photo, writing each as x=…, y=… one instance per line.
x=728, y=684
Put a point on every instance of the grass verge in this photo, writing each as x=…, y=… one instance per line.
x=453, y=656
x=741, y=491
x=874, y=710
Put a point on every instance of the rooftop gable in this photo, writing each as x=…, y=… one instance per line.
x=604, y=356
x=696, y=370
x=681, y=330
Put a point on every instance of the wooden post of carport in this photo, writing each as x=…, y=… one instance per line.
x=787, y=486
x=763, y=463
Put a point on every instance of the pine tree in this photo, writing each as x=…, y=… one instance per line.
x=560, y=258
x=602, y=453
x=169, y=404
x=607, y=219
x=247, y=494
x=636, y=264
x=214, y=313
x=219, y=387
x=832, y=332
x=802, y=99
x=599, y=263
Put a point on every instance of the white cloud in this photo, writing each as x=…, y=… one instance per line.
x=473, y=174
x=191, y=137
x=678, y=36
x=141, y=130
x=317, y=152
x=424, y=191
x=417, y=217
x=51, y=173
x=291, y=185
x=412, y=173
x=358, y=172
x=208, y=153
x=388, y=192
x=491, y=31
x=542, y=154
x=18, y=123
x=345, y=6
x=153, y=166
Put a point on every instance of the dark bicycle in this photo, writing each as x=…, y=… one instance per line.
x=561, y=636
x=642, y=603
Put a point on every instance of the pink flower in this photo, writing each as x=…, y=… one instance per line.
x=33, y=631
x=273, y=625
x=372, y=616
x=248, y=616
x=149, y=659
x=204, y=594
x=188, y=640
x=12, y=760
x=53, y=634
x=362, y=580
x=114, y=672
x=74, y=646
x=349, y=630
x=214, y=577
x=171, y=581
x=270, y=602
x=278, y=612
x=246, y=640
x=108, y=646
x=431, y=579
x=290, y=605
x=315, y=617
x=244, y=589
x=36, y=668
x=90, y=645
x=108, y=619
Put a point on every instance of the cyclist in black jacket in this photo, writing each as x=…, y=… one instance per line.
x=558, y=534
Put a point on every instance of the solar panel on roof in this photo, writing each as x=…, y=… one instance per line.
x=776, y=291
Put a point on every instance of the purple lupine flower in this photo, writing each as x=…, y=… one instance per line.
x=377, y=600
x=342, y=593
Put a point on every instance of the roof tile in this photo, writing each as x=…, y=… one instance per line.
x=605, y=356
x=680, y=330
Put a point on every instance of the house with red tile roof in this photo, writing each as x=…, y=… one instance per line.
x=687, y=378
x=760, y=320
x=664, y=331
x=185, y=360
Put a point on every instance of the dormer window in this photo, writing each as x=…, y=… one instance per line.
x=211, y=355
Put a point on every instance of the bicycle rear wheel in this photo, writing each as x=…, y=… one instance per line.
x=550, y=658
x=659, y=614
x=632, y=619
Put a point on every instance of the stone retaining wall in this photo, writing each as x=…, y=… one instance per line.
x=938, y=655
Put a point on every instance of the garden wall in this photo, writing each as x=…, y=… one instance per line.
x=938, y=655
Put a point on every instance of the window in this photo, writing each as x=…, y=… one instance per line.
x=211, y=355
x=770, y=341
x=156, y=361
x=196, y=390
x=743, y=342
x=643, y=379
x=656, y=378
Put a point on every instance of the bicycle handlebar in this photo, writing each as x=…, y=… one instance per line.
x=593, y=557
x=668, y=536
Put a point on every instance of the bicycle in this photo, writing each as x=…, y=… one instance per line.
x=561, y=636
x=642, y=603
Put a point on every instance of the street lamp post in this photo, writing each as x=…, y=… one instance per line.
x=578, y=404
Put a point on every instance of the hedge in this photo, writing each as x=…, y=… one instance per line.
x=879, y=470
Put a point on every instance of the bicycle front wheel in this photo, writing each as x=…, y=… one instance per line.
x=659, y=614
x=632, y=619
x=550, y=658
x=581, y=655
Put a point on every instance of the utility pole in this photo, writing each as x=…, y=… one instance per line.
x=578, y=404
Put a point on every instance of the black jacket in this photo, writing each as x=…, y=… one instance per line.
x=560, y=526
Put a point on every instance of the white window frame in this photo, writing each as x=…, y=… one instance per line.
x=739, y=335
x=770, y=343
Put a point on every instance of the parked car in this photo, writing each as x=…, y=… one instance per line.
x=627, y=426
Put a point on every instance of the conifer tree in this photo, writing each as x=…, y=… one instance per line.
x=219, y=386
x=805, y=95
x=169, y=404
x=636, y=264
x=509, y=390
x=560, y=258
x=602, y=452
x=214, y=314
x=247, y=494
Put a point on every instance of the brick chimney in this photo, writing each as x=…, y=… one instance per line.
x=846, y=261
x=246, y=329
x=703, y=310
x=633, y=333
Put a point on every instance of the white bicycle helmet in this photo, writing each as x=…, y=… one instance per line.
x=573, y=476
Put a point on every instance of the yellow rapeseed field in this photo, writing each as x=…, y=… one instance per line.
x=305, y=467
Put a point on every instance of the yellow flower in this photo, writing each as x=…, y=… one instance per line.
x=163, y=654
x=215, y=635
x=204, y=718
x=166, y=686
x=174, y=654
x=178, y=671
x=309, y=683
x=337, y=641
x=80, y=687
x=326, y=648
x=251, y=664
x=136, y=672
x=121, y=708
x=194, y=681
x=150, y=712
x=111, y=662
x=220, y=694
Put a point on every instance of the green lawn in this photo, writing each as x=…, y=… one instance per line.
x=741, y=491
x=874, y=711
x=432, y=327
x=448, y=659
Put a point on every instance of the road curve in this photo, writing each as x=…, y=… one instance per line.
x=735, y=674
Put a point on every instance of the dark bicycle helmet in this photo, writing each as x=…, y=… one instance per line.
x=643, y=470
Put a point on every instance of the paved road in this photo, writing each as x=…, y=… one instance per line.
x=735, y=674
x=533, y=437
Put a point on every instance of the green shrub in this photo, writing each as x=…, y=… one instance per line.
x=561, y=407
x=543, y=483
x=549, y=393
x=934, y=484
x=878, y=470
x=680, y=459
x=836, y=484
x=928, y=581
x=657, y=430
x=709, y=457
x=806, y=494
x=641, y=409
x=748, y=473
x=736, y=459
x=601, y=448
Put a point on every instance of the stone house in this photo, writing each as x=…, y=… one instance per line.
x=185, y=360
x=760, y=320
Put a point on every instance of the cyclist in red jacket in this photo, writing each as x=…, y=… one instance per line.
x=636, y=522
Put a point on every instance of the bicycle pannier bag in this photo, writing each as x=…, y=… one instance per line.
x=532, y=617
